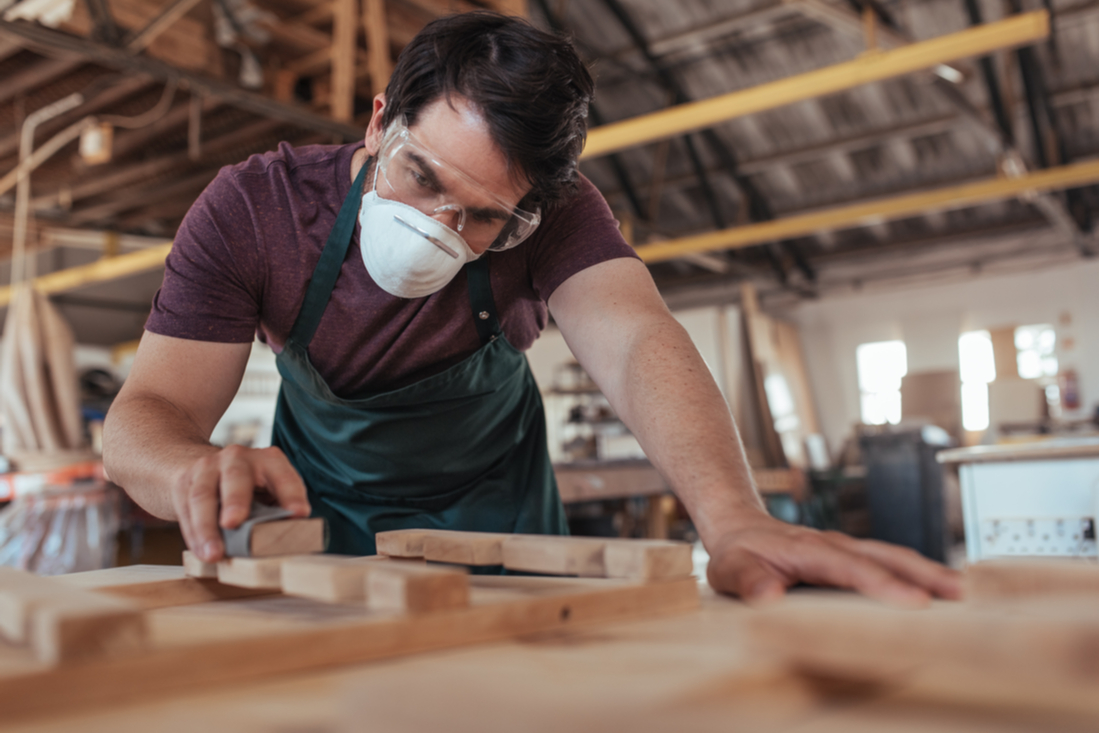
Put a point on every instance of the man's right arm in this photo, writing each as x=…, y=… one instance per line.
x=156, y=442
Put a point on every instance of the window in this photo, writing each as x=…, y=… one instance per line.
x=977, y=370
x=880, y=366
x=1035, y=351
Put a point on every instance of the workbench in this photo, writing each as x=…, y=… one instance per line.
x=714, y=668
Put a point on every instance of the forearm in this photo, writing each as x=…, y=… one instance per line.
x=148, y=443
x=665, y=394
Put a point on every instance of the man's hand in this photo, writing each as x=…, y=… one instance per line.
x=760, y=557
x=228, y=478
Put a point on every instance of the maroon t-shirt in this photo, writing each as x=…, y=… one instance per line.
x=245, y=252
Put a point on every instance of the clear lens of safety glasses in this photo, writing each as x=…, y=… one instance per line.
x=410, y=173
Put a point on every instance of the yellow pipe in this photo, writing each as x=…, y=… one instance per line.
x=102, y=270
x=868, y=212
x=872, y=66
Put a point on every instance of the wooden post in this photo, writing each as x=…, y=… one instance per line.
x=344, y=34
x=378, y=44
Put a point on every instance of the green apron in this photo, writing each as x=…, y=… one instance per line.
x=463, y=449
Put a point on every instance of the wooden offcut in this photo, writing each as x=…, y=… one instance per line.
x=553, y=555
x=329, y=578
x=196, y=567
x=401, y=542
x=287, y=537
x=464, y=548
x=416, y=588
x=252, y=572
x=647, y=559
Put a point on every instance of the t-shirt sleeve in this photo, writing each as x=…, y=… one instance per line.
x=213, y=278
x=577, y=234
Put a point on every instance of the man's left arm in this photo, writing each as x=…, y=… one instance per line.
x=618, y=327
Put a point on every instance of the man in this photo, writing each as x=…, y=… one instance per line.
x=399, y=281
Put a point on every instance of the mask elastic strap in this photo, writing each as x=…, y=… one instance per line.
x=481, y=300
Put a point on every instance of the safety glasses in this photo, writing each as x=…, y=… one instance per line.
x=412, y=174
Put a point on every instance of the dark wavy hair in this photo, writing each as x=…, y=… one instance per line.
x=530, y=86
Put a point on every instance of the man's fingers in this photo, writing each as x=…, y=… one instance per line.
x=202, y=508
x=183, y=516
x=739, y=572
x=237, y=486
x=275, y=473
x=842, y=567
x=907, y=564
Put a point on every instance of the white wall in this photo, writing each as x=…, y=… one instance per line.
x=930, y=319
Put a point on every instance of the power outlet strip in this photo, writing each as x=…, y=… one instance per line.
x=1039, y=536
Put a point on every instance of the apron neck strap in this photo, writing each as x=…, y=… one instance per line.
x=328, y=267
x=481, y=300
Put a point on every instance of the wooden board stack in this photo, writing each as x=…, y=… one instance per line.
x=399, y=580
x=388, y=606
x=586, y=557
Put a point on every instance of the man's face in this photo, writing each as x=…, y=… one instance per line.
x=455, y=173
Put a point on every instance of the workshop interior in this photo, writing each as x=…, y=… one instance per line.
x=876, y=220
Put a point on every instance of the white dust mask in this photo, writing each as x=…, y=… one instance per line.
x=408, y=253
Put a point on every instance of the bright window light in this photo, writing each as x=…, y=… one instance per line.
x=880, y=366
x=976, y=357
x=1035, y=351
x=975, y=405
x=977, y=370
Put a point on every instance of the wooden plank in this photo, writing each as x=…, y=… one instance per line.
x=287, y=537
x=442, y=545
x=416, y=588
x=993, y=580
x=401, y=542
x=176, y=668
x=647, y=560
x=329, y=578
x=195, y=567
x=464, y=548
x=252, y=572
x=581, y=556
x=156, y=586
x=20, y=594
x=86, y=626
x=65, y=623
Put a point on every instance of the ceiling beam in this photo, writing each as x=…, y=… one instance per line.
x=159, y=24
x=54, y=42
x=868, y=67
x=36, y=75
x=874, y=211
x=103, y=270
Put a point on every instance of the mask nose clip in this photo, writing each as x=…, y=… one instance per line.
x=458, y=209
